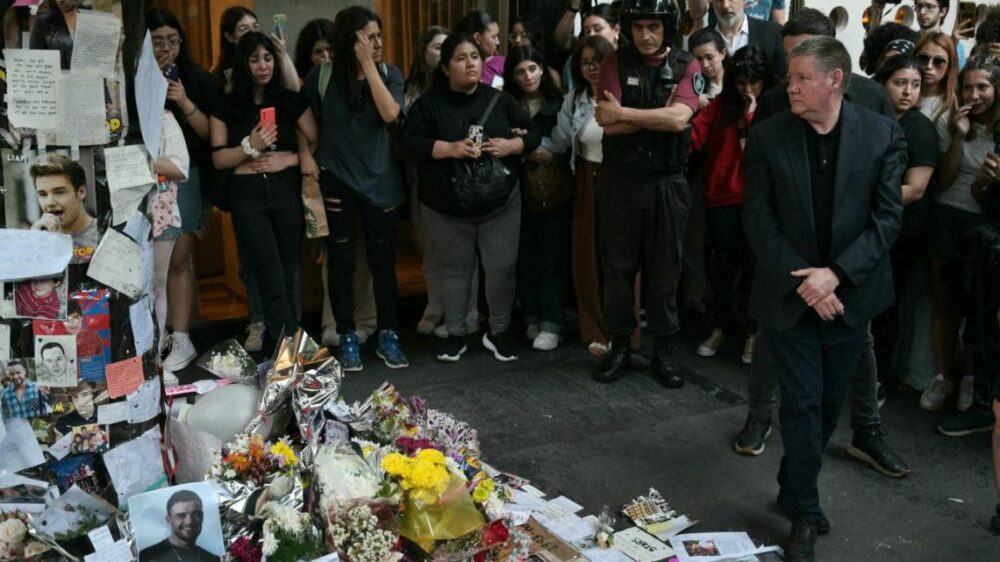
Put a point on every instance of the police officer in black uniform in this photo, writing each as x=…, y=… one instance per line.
x=648, y=93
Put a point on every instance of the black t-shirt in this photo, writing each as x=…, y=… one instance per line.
x=165, y=552
x=921, y=150
x=241, y=116
x=822, y=151
x=203, y=91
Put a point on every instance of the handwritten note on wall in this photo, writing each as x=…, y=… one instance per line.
x=95, y=44
x=31, y=87
x=123, y=377
x=33, y=253
x=116, y=264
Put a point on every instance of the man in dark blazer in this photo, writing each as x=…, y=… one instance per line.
x=867, y=443
x=739, y=30
x=823, y=206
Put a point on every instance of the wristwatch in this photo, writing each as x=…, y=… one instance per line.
x=248, y=148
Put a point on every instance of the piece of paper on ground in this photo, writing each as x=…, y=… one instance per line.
x=641, y=546
x=711, y=547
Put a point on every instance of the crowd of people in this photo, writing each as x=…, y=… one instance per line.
x=751, y=182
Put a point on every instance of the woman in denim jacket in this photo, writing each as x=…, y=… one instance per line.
x=578, y=132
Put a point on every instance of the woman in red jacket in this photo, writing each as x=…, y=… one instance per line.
x=721, y=130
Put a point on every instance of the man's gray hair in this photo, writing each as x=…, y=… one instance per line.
x=829, y=53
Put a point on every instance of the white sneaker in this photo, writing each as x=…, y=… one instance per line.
x=255, y=337
x=182, y=352
x=966, y=391
x=748, y=346
x=532, y=332
x=170, y=379
x=712, y=343
x=427, y=323
x=545, y=341
x=330, y=337
x=936, y=393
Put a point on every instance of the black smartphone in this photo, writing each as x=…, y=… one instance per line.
x=172, y=73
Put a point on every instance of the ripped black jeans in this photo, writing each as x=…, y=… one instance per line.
x=344, y=207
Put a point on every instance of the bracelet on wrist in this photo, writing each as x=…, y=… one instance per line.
x=248, y=148
x=192, y=112
x=570, y=8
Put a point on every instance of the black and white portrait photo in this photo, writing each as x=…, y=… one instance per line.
x=178, y=524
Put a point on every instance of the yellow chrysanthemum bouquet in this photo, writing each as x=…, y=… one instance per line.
x=437, y=502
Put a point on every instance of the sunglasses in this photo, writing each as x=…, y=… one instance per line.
x=939, y=62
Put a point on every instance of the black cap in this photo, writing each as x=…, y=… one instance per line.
x=664, y=10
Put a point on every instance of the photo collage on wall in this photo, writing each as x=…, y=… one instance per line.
x=74, y=388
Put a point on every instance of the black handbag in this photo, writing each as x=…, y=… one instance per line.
x=483, y=184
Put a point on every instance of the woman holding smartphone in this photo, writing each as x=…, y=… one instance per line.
x=265, y=134
x=191, y=94
x=437, y=136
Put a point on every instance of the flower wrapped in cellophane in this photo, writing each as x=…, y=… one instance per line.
x=363, y=533
x=437, y=502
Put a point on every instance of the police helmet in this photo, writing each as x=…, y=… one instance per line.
x=666, y=11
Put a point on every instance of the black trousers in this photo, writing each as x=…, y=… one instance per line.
x=268, y=221
x=733, y=273
x=543, y=272
x=905, y=254
x=344, y=207
x=816, y=363
x=640, y=227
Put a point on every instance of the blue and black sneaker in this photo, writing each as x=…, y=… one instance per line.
x=388, y=350
x=350, y=352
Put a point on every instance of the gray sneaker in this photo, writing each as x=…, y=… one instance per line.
x=751, y=439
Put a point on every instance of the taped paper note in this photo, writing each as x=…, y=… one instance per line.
x=115, y=412
x=144, y=403
x=95, y=44
x=33, y=253
x=82, y=113
x=136, y=466
x=116, y=264
x=123, y=377
x=129, y=179
x=19, y=449
x=32, y=75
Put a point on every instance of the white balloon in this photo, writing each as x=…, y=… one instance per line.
x=226, y=411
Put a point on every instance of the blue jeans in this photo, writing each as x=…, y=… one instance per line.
x=269, y=222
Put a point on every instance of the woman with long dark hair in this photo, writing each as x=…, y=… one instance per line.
x=361, y=180
x=426, y=60
x=601, y=20
x=191, y=95
x=578, y=133
x=547, y=190
x=314, y=46
x=437, y=135
x=901, y=77
x=965, y=137
x=236, y=22
x=485, y=32
x=721, y=129
x=264, y=133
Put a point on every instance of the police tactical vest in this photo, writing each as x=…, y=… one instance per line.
x=648, y=153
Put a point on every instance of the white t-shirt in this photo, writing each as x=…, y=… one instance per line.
x=959, y=195
x=929, y=106
x=590, y=137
